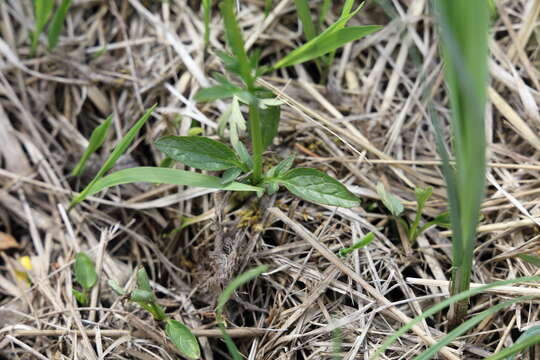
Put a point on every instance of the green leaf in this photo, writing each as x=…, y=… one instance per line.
x=324, y=44
x=281, y=168
x=81, y=297
x=442, y=220
x=267, y=7
x=231, y=346
x=422, y=195
x=358, y=245
x=461, y=329
x=96, y=140
x=315, y=186
x=235, y=284
x=235, y=41
x=535, y=260
x=270, y=117
x=199, y=152
x=166, y=176
x=272, y=187
x=167, y=162
x=230, y=175
x=533, y=332
x=184, y=340
x=42, y=12
x=516, y=348
x=85, y=273
x=304, y=14
x=207, y=7
x=444, y=304
x=391, y=202
x=111, y=160
x=215, y=92
x=142, y=296
x=57, y=23
x=143, y=282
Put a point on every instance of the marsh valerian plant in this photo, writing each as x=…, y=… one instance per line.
x=241, y=170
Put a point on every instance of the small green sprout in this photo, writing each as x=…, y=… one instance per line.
x=43, y=9
x=179, y=334
x=357, y=245
x=413, y=230
x=85, y=276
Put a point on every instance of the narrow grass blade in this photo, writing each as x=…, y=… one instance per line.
x=325, y=43
x=535, y=260
x=444, y=304
x=235, y=41
x=366, y=240
x=117, y=152
x=42, y=12
x=516, y=348
x=532, y=332
x=304, y=14
x=165, y=176
x=461, y=329
x=57, y=23
x=96, y=140
x=325, y=8
x=207, y=7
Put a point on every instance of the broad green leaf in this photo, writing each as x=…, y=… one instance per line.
x=304, y=14
x=115, y=155
x=272, y=187
x=82, y=297
x=461, y=329
x=358, y=245
x=230, y=175
x=57, y=23
x=96, y=140
x=535, y=260
x=207, y=7
x=281, y=168
x=216, y=92
x=235, y=41
x=184, y=340
x=269, y=124
x=235, y=284
x=533, y=332
x=85, y=272
x=422, y=195
x=166, y=176
x=199, y=152
x=315, y=186
x=143, y=282
x=391, y=202
x=142, y=296
x=444, y=304
x=325, y=43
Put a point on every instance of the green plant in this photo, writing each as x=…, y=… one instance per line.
x=414, y=229
x=241, y=171
x=85, y=276
x=357, y=245
x=179, y=334
x=461, y=329
x=225, y=296
x=43, y=9
x=464, y=28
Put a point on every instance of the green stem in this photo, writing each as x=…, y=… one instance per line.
x=256, y=141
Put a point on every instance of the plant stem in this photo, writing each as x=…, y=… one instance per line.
x=256, y=140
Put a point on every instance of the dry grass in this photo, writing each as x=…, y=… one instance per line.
x=369, y=124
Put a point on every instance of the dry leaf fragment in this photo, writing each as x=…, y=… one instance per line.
x=7, y=242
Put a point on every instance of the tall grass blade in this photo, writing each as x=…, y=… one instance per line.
x=515, y=349
x=464, y=27
x=42, y=12
x=115, y=155
x=207, y=7
x=57, y=23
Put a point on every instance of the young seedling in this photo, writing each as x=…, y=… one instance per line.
x=85, y=276
x=225, y=296
x=179, y=334
x=43, y=9
x=366, y=240
x=240, y=170
x=413, y=230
